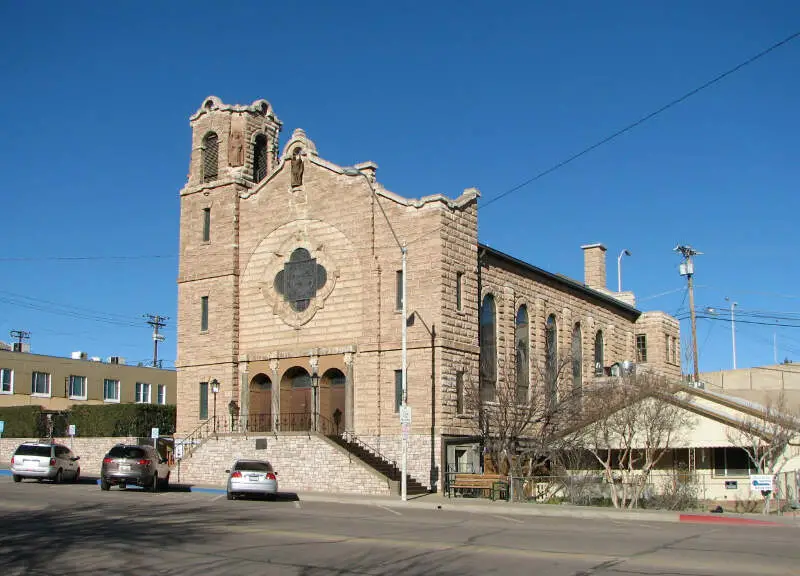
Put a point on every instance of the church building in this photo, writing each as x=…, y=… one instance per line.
x=290, y=301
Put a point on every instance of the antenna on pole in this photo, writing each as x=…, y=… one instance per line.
x=157, y=322
x=20, y=336
x=687, y=269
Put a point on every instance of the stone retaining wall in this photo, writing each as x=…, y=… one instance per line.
x=304, y=463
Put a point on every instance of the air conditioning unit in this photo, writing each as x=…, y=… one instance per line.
x=96, y=359
x=116, y=360
x=80, y=355
x=22, y=347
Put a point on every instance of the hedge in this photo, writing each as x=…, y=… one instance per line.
x=102, y=420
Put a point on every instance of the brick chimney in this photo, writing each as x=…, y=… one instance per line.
x=594, y=266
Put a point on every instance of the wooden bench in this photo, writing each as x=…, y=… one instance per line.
x=493, y=485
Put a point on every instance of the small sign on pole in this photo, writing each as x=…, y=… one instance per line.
x=405, y=415
x=154, y=433
x=178, y=450
x=71, y=430
x=2, y=427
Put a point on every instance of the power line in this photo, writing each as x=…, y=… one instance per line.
x=643, y=119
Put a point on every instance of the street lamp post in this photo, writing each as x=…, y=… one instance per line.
x=625, y=252
x=404, y=332
x=214, y=391
x=315, y=399
x=733, y=328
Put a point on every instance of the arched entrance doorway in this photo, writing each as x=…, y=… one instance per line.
x=296, y=400
x=260, y=416
x=332, y=399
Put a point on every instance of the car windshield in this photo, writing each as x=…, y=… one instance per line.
x=253, y=466
x=127, y=452
x=33, y=450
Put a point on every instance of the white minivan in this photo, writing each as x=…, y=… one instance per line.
x=42, y=460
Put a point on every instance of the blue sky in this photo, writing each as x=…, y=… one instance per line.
x=96, y=97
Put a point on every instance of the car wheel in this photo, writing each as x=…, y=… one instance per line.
x=154, y=486
x=165, y=482
x=17, y=478
x=77, y=475
x=104, y=485
x=231, y=496
x=59, y=477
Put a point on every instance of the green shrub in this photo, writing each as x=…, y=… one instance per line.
x=122, y=419
x=32, y=422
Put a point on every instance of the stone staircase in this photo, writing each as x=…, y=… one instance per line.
x=377, y=461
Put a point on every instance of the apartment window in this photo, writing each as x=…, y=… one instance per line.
x=162, y=394
x=398, y=301
x=40, y=384
x=641, y=348
x=398, y=390
x=459, y=392
x=203, y=313
x=77, y=387
x=6, y=381
x=142, y=393
x=203, y=400
x=110, y=390
x=459, y=288
x=206, y=224
x=210, y=157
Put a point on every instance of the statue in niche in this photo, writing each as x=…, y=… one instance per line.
x=236, y=152
x=297, y=168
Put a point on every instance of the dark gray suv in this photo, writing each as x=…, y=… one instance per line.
x=136, y=465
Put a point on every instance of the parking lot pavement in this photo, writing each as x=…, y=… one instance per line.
x=77, y=528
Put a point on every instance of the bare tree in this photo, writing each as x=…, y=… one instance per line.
x=517, y=421
x=632, y=423
x=765, y=435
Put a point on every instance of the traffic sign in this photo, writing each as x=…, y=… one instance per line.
x=405, y=414
x=154, y=433
x=2, y=427
x=71, y=430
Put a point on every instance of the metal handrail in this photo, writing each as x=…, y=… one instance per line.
x=353, y=439
x=196, y=437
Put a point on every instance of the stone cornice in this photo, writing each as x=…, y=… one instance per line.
x=259, y=107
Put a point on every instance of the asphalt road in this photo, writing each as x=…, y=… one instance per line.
x=77, y=529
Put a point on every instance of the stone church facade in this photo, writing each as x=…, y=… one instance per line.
x=289, y=298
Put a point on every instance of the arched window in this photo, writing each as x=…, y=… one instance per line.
x=551, y=359
x=522, y=338
x=260, y=158
x=598, y=354
x=577, y=362
x=210, y=157
x=488, y=348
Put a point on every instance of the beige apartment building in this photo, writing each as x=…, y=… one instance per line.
x=290, y=299
x=57, y=383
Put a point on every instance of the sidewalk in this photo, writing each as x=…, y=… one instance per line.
x=503, y=508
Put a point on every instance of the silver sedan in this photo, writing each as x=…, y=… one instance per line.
x=252, y=477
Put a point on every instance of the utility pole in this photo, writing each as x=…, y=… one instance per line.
x=21, y=336
x=687, y=269
x=733, y=328
x=157, y=322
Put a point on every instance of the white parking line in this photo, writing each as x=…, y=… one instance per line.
x=507, y=519
x=217, y=497
x=297, y=504
x=388, y=509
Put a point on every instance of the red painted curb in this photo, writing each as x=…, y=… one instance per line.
x=706, y=519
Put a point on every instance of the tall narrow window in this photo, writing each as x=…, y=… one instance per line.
x=260, y=158
x=162, y=394
x=459, y=392
x=667, y=345
x=206, y=224
x=674, y=350
x=551, y=359
x=599, y=365
x=203, y=313
x=210, y=157
x=398, y=300
x=398, y=390
x=6, y=381
x=488, y=349
x=522, y=337
x=577, y=363
x=203, y=400
x=459, y=288
x=641, y=348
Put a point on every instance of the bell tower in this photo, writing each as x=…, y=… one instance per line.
x=234, y=149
